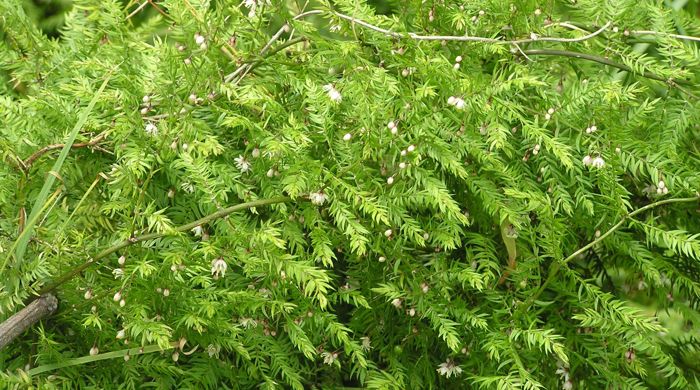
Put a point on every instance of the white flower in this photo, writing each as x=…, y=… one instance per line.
x=381, y=259
x=242, y=164
x=88, y=294
x=366, y=346
x=396, y=302
x=588, y=160
x=459, y=103
x=118, y=273
x=388, y=233
x=247, y=323
x=329, y=357
x=252, y=5
x=199, y=39
x=270, y=172
x=456, y=66
x=451, y=100
x=347, y=137
x=166, y=292
x=661, y=184
x=121, y=260
x=391, y=125
x=390, y=180
x=94, y=351
x=449, y=368
x=333, y=93
x=122, y=303
x=411, y=148
x=255, y=153
x=598, y=162
x=192, y=98
x=458, y=59
x=218, y=267
x=146, y=98
x=197, y=230
x=121, y=334
x=402, y=165
x=318, y=198
x=550, y=111
x=151, y=129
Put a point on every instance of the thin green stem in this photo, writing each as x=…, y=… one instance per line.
x=152, y=236
x=605, y=61
x=557, y=266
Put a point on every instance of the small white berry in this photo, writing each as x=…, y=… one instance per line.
x=391, y=125
x=594, y=128
x=176, y=356
x=405, y=72
x=121, y=260
x=171, y=193
x=390, y=180
x=166, y=292
x=587, y=160
x=187, y=61
x=404, y=152
x=146, y=98
x=255, y=153
x=121, y=334
x=456, y=66
x=270, y=172
x=122, y=303
x=88, y=294
x=192, y=98
x=117, y=296
x=185, y=146
x=481, y=12
x=618, y=150
x=94, y=351
x=458, y=59
x=411, y=148
x=615, y=29
x=396, y=302
x=547, y=116
x=598, y=162
x=145, y=110
x=412, y=312
x=533, y=36
x=550, y=111
x=381, y=259
x=203, y=46
x=173, y=145
x=451, y=100
x=538, y=12
x=661, y=184
x=347, y=137
x=402, y=165
x=388, y=233
x=127, y=357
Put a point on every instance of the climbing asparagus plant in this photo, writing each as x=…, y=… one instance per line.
x=289, y=194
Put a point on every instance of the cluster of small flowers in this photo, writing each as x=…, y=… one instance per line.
x=329, y=357
x=118, y=298
x=591, y=129
x=218, y=267
x=563, y=372
x=596, y=162
x=661, y=188
x=457, y=102
x=242, y=164
x=458, y=59
x=549, y=114
x=333, y=93
x=318, y=198
x=449, y=368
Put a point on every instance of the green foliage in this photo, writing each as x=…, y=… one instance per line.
x=349, y=200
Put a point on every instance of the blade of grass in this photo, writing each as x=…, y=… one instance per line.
x=102, y=356
x=23, y=239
